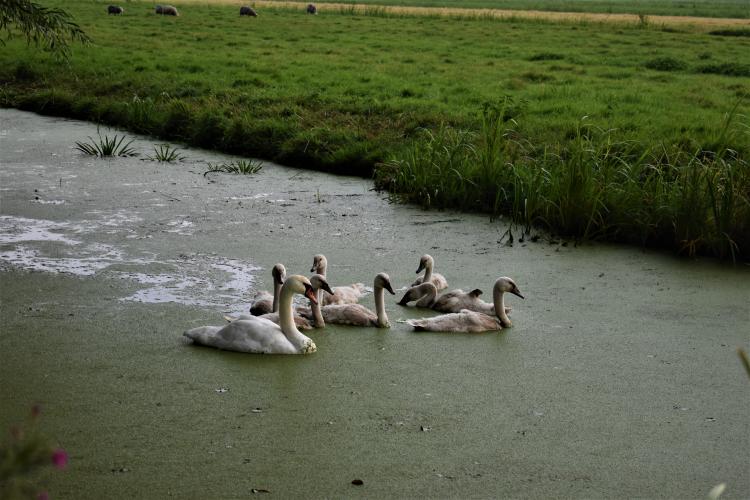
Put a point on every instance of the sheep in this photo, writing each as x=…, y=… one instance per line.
x=167, y=10
x=248, y=11
x=115, y=9
x=312, y=9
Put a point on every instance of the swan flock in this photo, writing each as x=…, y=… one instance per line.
x=274, y=323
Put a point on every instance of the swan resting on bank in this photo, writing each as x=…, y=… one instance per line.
x=355, y=314
x=472, y=321
x=426, y=262
x=264, y=302
x=259, y=335
x=341, y=294
x=449, y=302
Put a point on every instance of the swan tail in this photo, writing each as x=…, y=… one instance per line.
x=417, y=324
x=202, y=334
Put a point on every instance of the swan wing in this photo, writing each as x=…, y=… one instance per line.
x=262, y=304
x=254, y=335
x=344, y=294
x=349, y=314
x=464, y=321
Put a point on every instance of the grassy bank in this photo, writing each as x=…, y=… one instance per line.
x=345, y=91
x=700, y=8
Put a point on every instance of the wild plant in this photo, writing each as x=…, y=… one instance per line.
x=246, y=167
x=164, y=153
x=106, y=146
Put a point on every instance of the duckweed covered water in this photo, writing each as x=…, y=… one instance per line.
x=618, y=379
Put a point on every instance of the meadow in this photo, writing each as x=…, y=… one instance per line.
x=700, y=8
x=624, y=132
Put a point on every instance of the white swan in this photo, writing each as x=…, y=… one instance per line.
x=259, y=335
x=299, y=321
x=356, y=314
x=341, y=294
x=472, y=321
x=426, y=262
x=264, y=302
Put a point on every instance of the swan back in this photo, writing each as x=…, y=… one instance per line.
x=464, y=321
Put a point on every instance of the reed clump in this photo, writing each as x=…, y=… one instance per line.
x=592, y=187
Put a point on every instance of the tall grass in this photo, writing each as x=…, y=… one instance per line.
x=593, y=187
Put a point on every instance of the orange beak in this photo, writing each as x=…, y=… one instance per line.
x=310, y=294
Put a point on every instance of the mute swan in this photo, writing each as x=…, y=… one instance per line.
x=259, y=335
x=427, y=263
x=472, y=321
x=341, y=294
x=318, y=283
x=357, y=314
x=424, y=294
x=449, y=302
x=264, y=302
x=302, y=323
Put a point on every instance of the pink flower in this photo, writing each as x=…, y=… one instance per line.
x=60, y=458
x=42, y=496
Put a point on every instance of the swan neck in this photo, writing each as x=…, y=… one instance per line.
x=428, y=298
x=286, y=318
x=380, y=307
x=427, y=272
x=316, y=312
x=276, y=296
x=497, y=298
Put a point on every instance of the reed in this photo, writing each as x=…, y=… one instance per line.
x=591, y=188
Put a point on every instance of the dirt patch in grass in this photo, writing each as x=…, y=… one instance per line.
x=700, y=23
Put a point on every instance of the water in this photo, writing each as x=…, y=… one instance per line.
x=619, y=377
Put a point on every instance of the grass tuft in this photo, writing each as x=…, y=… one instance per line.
x=106, y=146
x=665, y=64
x=246, y=167
x=164, y=153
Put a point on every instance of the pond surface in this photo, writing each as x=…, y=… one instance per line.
x=619, y=378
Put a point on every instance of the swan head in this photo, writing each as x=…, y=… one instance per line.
x=320, y=263
x=319, y=282
x=417, y=292
x=301, y=285
x=506, y=284
x=424, y=262
x=279, y=273
x=382, y=280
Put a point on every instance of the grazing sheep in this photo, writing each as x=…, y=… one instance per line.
x=248, y=11
x=167, y=10
x=115, y=9
x=312, y=9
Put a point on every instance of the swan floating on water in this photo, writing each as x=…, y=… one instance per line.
x=318, y=283
x=260, y=335
x=341, y=294
x=355, y=314
x=264, y=302
x=426, y=262
x=449, y=302
x=472, y=321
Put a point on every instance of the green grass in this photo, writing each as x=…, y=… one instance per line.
x=245, y=167
x=342, y=91
x=164, y=153
x=698, y=8
x=106, y=146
